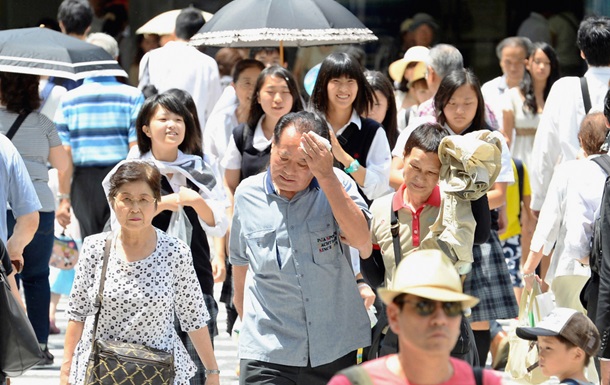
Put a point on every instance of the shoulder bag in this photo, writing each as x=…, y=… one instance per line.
x=19, y=349
x=116, y=362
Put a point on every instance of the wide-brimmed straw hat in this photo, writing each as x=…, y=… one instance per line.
x=414, y=54
x=427, y=274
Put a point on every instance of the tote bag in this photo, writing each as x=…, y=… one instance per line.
x=523, y=354
x=19, y=349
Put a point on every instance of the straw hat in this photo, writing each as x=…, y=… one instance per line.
x=419, y=72
x=414, y=54
x=427, y=274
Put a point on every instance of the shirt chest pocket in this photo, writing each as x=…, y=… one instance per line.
x=263, y=248
x=324, y=239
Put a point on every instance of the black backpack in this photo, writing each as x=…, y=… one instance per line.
x=589, y=293
x=596, y=247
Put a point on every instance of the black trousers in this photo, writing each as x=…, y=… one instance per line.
x=259, y=372
x=89, y=202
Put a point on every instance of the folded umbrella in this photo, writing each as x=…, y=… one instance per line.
x=42, y=51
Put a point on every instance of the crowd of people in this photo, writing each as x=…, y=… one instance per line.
x=420, y=195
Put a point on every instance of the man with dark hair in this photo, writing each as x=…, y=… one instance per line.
x=557, y=135
x=417, y=200
x=267, y=55
x=286, y=248
x=178, y=65
x=75, y=17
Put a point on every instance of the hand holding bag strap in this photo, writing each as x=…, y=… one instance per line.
x=16, y=124
x=100, y=291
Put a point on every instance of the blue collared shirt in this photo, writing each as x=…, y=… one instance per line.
x=301, y=303
x=16, y=186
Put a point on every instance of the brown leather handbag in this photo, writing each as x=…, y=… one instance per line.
x=116, y=362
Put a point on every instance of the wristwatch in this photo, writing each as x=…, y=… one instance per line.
x=212, y=371
x=353, y=167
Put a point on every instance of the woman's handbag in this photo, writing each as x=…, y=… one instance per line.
x=523, y=354
x=19, y=349
x=116, y=362
x=65, y=252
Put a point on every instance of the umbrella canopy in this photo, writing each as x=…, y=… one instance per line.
x=272, y=23
x=42, y=51
x=165, y=23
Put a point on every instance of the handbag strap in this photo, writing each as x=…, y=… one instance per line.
x=100, y=291
x=394, y=227
x=16, y=124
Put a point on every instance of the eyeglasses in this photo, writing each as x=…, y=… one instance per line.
x=143, y=202
x=245, y=84
x=425, y=307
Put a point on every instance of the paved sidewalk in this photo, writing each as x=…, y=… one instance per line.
x=224, y=347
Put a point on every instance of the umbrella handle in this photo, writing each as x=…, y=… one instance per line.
x=281, y=53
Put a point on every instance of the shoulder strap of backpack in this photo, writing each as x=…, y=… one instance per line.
x=520, y=175
x=357, y=375
x=584, y=88
x=478, y=374
x=394, y=227
x=604, y=162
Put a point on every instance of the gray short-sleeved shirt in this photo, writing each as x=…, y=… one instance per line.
x=301, y=303
x=33, y=139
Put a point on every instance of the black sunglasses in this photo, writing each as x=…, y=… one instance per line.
x=425, y=307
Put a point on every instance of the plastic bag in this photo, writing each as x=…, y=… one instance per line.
x=523, y=354
x=180, y=227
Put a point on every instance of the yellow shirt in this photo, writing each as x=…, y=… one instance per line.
x=513, y=203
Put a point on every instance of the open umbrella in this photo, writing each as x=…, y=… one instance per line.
x=42, y=51
x=165, y=23
x=273, y=23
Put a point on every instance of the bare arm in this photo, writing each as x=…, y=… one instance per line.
x=232, y=178
x=508, y=118
x=351, y=219
x=528, y=224
x=15, y=290
x=239, y=281
x=346, y=159
x=396, y=172
x=219, y=264
x=25, y=228
x=188, y=197
x=497, y=195
x=64, y=183
x=74, y=332
x=203, y=344
x=59, y=158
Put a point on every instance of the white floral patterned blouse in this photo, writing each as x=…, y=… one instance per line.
x=139, y=302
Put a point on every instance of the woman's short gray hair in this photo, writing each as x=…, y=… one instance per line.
x=107, y=42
